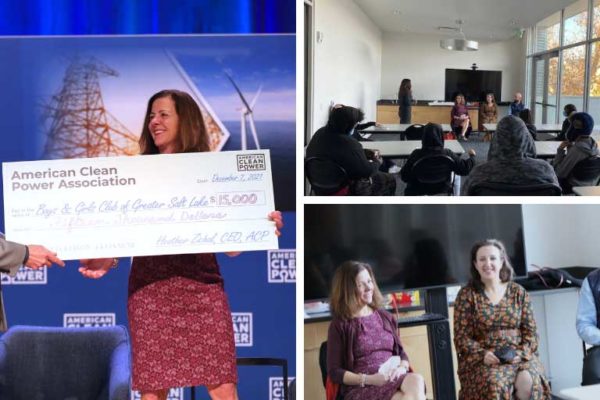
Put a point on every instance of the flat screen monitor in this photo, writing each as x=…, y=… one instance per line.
x=473, y=84
x=408, y=246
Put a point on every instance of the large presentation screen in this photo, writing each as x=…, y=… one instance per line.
x=409, y=246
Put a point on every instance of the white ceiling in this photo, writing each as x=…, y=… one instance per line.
x=484, y=20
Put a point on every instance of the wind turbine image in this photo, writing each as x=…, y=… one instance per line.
x=246, y=114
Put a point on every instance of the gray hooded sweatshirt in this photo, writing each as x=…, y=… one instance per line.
x=566, y=159
x=510, y=159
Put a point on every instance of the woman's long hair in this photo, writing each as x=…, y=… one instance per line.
x=191, y=137
x=344, y=292
x=405, y=88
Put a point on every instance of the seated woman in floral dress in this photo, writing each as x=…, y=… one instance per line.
x=495, y=333
x=362, y=337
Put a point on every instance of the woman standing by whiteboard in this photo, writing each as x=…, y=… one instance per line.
x=405, y=101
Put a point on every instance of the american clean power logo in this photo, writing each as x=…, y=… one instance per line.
x=174, y=394
x=26, y=276
x=282, y=266
x=242, y=328
x=276, y=387
x=88, y=320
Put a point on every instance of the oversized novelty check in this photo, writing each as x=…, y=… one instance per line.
x=142, y=205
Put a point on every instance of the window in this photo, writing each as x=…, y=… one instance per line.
x=576, y=22
x=596, y=21
x=573, y=71
x=547, y=33
x=594, y=90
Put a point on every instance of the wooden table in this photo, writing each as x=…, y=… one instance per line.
x=587, y=191
x=591, y=392
x=403, y=148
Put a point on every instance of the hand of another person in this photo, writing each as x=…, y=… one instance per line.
x=376, y=380
x=490, y=359
x=472, y=152
x=39, y=257
x=564, y=144
x=276, y=217
x=378, y=125
x=377, y=155
x=95, y=268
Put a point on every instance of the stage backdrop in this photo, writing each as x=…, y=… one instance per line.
x=86, y=96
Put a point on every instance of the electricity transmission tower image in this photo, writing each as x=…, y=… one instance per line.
x=80, y=125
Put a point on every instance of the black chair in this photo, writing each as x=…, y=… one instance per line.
x=261, y=361
x=590, y=374
x=323, y=366
x=585, y=170
x=433, y=175
x=326, y=177
x=504, y=189
x=413, y=132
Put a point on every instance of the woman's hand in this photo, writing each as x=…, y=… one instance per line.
x=95, y=268
x=276, y=217
x=376, y=380
x=516, y=360
x=564, y=145
x=398, y=372
x=490, y=359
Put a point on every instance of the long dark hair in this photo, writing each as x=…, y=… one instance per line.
x=506, y=271
x=405, y=88
x=490, y=94
x=192, y=136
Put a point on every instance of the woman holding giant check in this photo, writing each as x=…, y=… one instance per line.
x=177, y=291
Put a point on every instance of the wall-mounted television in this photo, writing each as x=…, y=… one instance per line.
x=473, y=84
x=408, y=246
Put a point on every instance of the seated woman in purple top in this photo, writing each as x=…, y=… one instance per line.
x=362, y=337
x=460, y=117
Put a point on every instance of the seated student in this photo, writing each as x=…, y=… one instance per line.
x=459, y=118
x=525, y=115
x=362, y=336
x=334, y=141
x=579, y=146
x=588, y=326
x=432, y=143
x=568, y=110
x=495, y=332
x=510, y=159
x=517, y=105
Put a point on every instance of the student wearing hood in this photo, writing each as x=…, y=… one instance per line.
x=511, y=159
x=579, y=146
x=432, y=143
x=334, y=141
x=568, y=111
